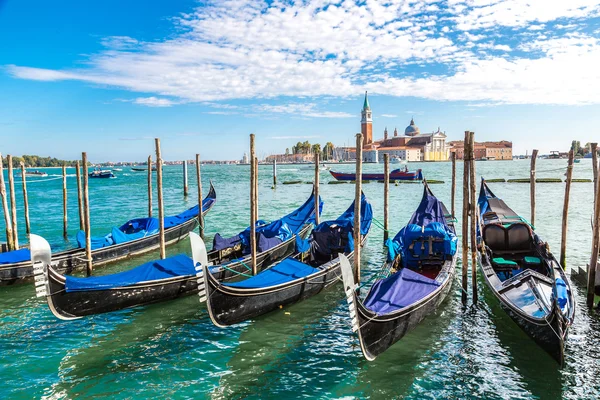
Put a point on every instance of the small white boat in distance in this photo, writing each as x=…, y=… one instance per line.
x=35, y=174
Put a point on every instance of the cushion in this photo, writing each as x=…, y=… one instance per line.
x=494, y=237
x=532, y=260
x=504, y=263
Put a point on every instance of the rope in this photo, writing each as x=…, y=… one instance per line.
x=39, y=180
x=236, y=272
x=379, y=224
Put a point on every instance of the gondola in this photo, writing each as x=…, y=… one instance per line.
x=523, y=275
x=15, y=266
x=141, y=169
x=313, y=268
x=395, y=175
x=412, y=283
x=159, y=280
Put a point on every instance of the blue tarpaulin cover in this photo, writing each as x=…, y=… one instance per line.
x=398, y=291
x=141, y=227
x=179, y=265
x=427, y=221
x=11, y=257
x=286, y=271
x=283, y=228
x=335, y=236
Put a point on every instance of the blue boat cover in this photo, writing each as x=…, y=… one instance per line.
x=179, y=265
x=400, y=290
x=336, y=236
x=141, y=227
x=220, y=243
x=561, y=293
x=11, y=257
x=286, y=271
x=428, y=221
x=283, y=228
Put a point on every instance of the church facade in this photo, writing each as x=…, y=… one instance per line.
x=412, y=146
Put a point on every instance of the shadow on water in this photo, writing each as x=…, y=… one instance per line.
x=141, y=339
x=539, y=372
x=269, y=347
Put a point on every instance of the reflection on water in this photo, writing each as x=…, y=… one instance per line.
x=308, y=349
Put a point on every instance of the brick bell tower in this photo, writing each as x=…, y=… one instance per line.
x=366, y=122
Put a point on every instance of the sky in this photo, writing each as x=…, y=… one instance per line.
x=108, y=77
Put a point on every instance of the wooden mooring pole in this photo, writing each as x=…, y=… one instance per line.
x=65, y=211
x=565, y=218
x=256, y=188
x=79, y=200
x=386, y=196
x=465, y=219
x=86, y=211
x=357, y=200
x=591, y=278
x=316, y=190
x=200, y=216
x=473, y=215
x=274, y=173
x=532, y=186
x=150, y=186
x=185, y=178
x=25, y=199
x=594, y=149
x=253, y=215
x=453, y=193
x=159, y=188
x=13, y=202
x=7, y=221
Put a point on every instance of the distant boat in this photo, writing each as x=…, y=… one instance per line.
x=577, y=160
x=395, y=175
x=397, y=160
x=117, y=169
x=101, y=173
x=141, y=169
x=35, y=174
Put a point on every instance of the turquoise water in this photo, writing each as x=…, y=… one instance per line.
x=172, y=350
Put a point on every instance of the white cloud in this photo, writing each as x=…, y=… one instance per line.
x=302, y=109
x=154, y=102
x=389, y=115
x=241, y=49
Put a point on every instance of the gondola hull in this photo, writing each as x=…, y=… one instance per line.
x=73, y=260
x=71, y=305
x=231, y=305
x=378, y=333
x=549, y=333
x=394, y=176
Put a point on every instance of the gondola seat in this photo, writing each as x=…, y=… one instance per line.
x=514, y=239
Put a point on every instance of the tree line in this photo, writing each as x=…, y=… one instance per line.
x=579, y=150
x=326, y=153
x=37, y=162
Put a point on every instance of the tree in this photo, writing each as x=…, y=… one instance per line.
x=287, y=151
x=575, y=146
x=328, y=151
x=316, y=148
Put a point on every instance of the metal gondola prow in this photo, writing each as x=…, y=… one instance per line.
x=41, y=256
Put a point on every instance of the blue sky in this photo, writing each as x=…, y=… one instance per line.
x=107, y=77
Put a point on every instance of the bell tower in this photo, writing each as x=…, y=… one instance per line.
x=366, y=122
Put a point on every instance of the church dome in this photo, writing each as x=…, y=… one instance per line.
x=412, y=129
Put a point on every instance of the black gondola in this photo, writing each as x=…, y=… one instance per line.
x=15, y=266
x=159, y=280
x=412, y=283
x=523, y=275
x=312, y=269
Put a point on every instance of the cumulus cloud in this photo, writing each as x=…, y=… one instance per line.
x=442, y=50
